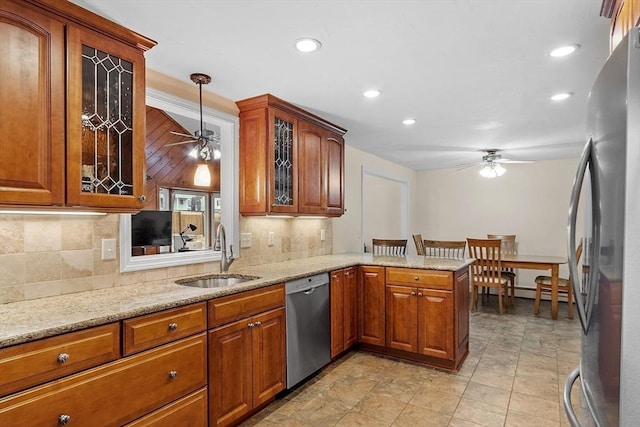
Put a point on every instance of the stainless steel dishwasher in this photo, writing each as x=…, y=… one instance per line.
x=308, y=327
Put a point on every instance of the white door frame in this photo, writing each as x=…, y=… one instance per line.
x=404, y=200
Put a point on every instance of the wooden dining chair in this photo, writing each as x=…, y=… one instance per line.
x=388, y=247
x=509, y=247
x=417, y=239
x=543, y=284
x=445, y=248
x=486, y=270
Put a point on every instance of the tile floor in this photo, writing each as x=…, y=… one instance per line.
x=514, y=376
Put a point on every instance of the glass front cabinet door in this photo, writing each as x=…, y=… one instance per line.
x=105, y=122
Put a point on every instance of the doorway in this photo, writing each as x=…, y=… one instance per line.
x=385, y=213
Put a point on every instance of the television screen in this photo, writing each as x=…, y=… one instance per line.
x=151, y=228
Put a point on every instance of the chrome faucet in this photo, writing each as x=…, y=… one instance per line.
x=221, y=245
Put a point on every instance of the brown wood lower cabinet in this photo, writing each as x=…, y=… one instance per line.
x=420, y=321
x=247, y=358
x=424, y=314
x=190, y=411
x=115, y=393
x=371, y=303
x=344, y=314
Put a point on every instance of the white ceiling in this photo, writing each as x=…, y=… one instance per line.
x=475, y=74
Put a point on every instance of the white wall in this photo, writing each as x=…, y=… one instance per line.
x=347, y=229
x=530, y=200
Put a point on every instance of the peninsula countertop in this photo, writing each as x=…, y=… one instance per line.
x=40, y=318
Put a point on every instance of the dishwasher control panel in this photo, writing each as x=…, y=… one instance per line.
x=299, y=285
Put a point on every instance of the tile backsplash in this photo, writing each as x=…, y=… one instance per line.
x=50, y=255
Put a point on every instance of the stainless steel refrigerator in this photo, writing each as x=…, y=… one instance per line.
x=608, y=295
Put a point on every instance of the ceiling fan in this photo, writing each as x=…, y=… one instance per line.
x=208, y=142
x=492, y=162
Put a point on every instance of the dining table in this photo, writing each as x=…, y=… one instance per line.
x=539, y=262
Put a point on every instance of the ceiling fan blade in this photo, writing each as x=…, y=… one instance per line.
x=513, y=161
x=181, y=134
x=468, y=165
x=180, y=143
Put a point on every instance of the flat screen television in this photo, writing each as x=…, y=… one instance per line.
x=151, y=228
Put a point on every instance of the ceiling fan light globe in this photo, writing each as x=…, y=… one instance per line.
x=500, y=170
x=202, y=177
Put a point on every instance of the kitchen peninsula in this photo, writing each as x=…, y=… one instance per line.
x=414, y=308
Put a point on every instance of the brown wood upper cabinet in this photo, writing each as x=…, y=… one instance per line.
x=291, y=161
x=50, y=45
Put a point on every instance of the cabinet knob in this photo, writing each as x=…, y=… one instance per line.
x=142, y=198
x=173, y=326
x=416, y=278
x=64, y=419
x=173, y=374
x=413, y=293
x=250, y=325
x=258, y=323
x=63, y=357
x=419, y=294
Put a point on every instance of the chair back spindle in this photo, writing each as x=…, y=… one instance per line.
x=444, y=248
x=388, y=247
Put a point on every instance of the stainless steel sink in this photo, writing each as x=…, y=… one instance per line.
x=216, y=280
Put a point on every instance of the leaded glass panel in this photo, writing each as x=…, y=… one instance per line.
x=107, y=123
x=283, y=164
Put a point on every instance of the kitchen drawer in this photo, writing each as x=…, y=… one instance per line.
x=234, y=307
x=115, y=393
x=189, y=411
x=420, y=278
x=33, y=363
x=144, y=332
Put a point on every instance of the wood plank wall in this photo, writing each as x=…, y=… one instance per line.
x=170, y=167
x=624, y=14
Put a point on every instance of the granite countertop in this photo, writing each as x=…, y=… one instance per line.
x=34, y=319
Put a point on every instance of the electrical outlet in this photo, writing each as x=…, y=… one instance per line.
x=108, y=249
x=245, y=240
x=271, y=238
x=323, y=235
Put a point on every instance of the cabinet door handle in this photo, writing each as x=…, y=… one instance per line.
x=419, y=294
x=258, y=323
x=413, y=293
x=250, y=325
x=142, y=198
x=173, y=374
x=64, y=419
x=62, y=357
x=173, y=326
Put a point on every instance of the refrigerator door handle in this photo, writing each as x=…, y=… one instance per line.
x=566, y=399
x=583, y=313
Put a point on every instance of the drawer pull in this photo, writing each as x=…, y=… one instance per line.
x=64, y=419
x=173, y=374
x=416, y=278
x=173, y=326
x=63, y=357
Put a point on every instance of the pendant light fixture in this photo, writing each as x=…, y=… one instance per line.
x=208, y=142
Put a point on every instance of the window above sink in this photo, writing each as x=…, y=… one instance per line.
x=226, y=202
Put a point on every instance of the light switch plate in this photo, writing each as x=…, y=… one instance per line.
x=245, y=240
x=323, y=235
x=108, y=249
x=271, y=237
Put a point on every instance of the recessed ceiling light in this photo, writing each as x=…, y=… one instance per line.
x=408, y=121
x=373, y=93
x=561, y=96
x=564, y=50
x=307, y=45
